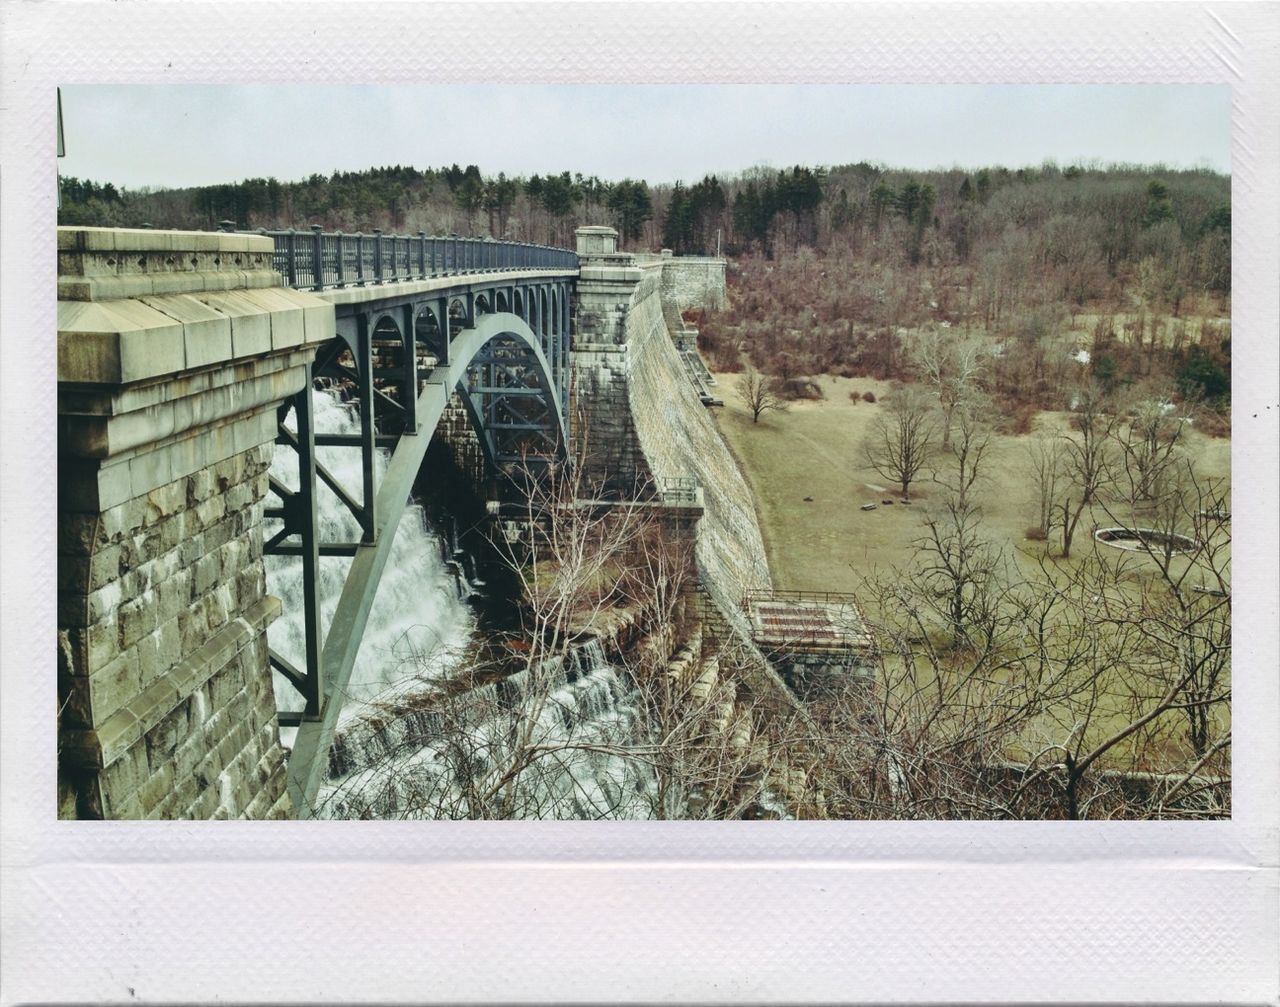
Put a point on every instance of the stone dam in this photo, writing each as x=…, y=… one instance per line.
x=175, y=351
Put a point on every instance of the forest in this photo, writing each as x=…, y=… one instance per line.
x=831, y=266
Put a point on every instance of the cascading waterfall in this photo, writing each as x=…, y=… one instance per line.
x=565, y=723
x=550, y=741
x=418, y=624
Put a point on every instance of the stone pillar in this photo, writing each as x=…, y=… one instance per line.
x=601, y=427
x=174, y=351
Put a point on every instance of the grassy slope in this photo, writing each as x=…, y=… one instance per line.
x=828, y=543
x=812, y=451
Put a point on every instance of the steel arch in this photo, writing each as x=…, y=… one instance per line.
x=308, y=762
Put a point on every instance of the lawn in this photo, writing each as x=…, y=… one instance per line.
x=806, y=470
x=810, y=481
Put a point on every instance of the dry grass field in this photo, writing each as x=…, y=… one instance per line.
x=810, y=481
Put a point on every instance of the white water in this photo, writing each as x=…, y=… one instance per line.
x=418, y=624
x=394, y=761
x=566, y=729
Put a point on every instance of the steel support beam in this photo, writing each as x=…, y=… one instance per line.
x=309, y=761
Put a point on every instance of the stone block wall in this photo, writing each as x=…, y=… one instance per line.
x=642, y=415
x=456, y=431
x=678, y=438
x=609, y=285
x=162, y=605
x=694, y=282
x=174, y=351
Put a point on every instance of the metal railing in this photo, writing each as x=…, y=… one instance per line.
x=677, y=489
x=802, y=597
x=316, y=260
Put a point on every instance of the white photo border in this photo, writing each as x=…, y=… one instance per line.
x=628, y=912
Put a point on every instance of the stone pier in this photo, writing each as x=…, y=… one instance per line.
x=605, y=436
x=174, y=351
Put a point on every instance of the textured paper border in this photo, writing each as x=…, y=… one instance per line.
x=753, y=912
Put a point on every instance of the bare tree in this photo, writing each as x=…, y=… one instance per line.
x=958, y=568
x=966, y=450
x=1183, y=526
x=900, y=438
x=1088, y=465
x=952, y=365
x=757, y=392
x=1045, y=461
x=1149, y=439
x=1095, y=689
x=545, y=724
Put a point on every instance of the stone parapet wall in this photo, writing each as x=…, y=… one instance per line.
x=115, y=263
x=174, y=351
x=693, y=282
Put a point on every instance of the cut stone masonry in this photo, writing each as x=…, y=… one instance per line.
x=174, y=351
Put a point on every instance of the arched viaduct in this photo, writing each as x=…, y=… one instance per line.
x=183, y=359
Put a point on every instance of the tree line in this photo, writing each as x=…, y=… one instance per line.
x=454, y=199
x=1093, y=222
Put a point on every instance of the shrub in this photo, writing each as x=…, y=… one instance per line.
x=799, y=388
x=868, y=396
x=1017, y=419
x=727, y=358
x=1213, y=423
x=1035, y=533
x=1204, y=376
x=855, y=397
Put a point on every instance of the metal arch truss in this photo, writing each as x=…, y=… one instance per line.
x=513, y=414
x=511, y=379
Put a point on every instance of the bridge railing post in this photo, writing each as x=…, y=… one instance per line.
x=377, y=255
x=292, y=260
x=339, y=272
x=422, y=255
x=317, y=256
x=360, y=258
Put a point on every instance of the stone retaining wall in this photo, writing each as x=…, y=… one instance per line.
x=679, y=438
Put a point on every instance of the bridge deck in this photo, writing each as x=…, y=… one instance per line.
x=401, y=289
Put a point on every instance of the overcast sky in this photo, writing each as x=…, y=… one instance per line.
x=174, y=135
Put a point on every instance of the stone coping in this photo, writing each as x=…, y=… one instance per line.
x=593, y=270
x=107, y=263
x=119, y=342
x=144, y=239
